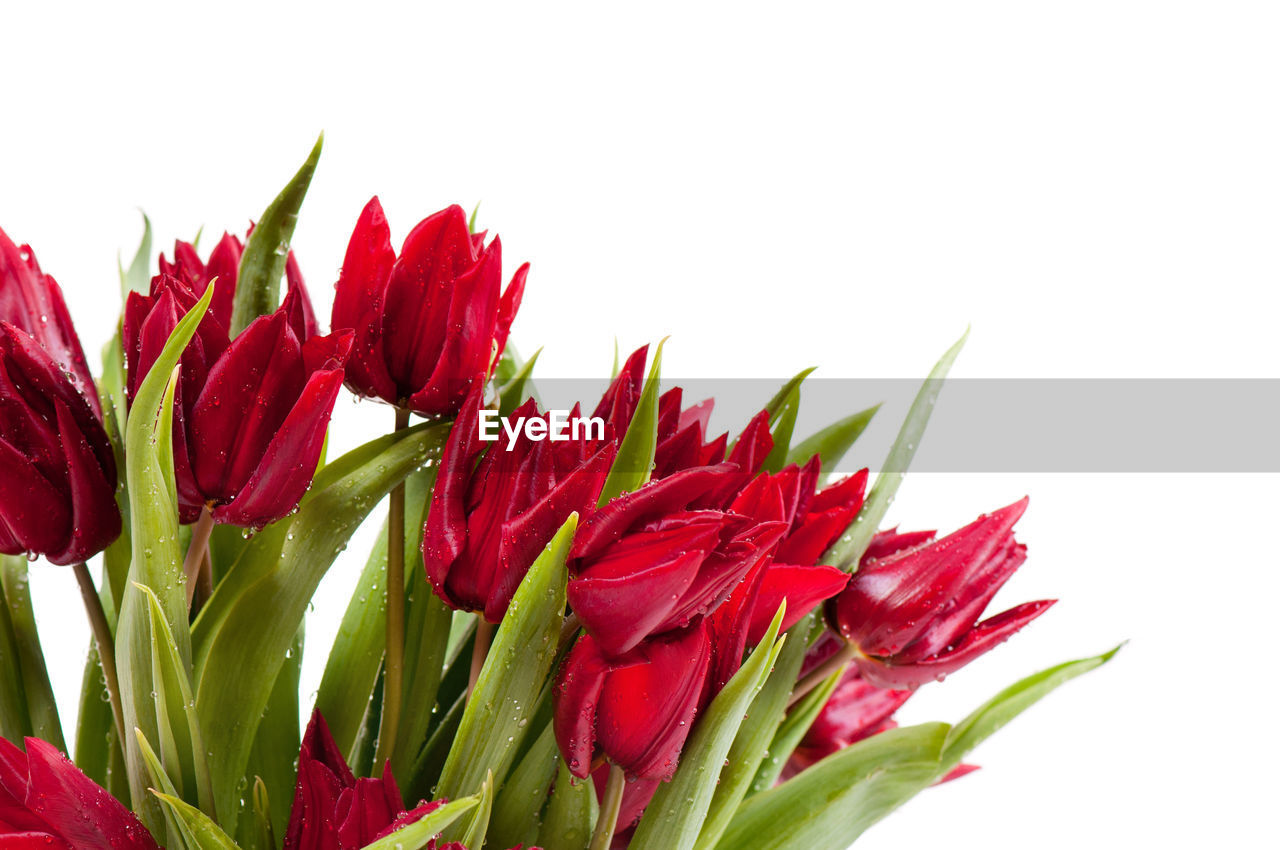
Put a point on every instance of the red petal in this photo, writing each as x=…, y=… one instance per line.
x=646, y=710
x=95, y=519
x=85, y=815
x=576, y=696
x=288, y=464
x=802, y=588
x=360, y=298
x=445, y=534
x=622, y=611
x=508, y=306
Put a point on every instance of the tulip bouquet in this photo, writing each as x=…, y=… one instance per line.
x=628, y=635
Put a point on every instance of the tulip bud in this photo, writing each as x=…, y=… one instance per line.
x=636, y=712
x=490, y=520
x=913, y=615
x=46, y=801
x=645, y=564
x=57, y=471
x=429, y=321
x=32, y=301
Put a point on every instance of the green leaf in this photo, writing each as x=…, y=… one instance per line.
x=848, y=548
x=98, y=752
x=275, y=747
x=416, y=835
x=246, y=628
x=751, y=744
x=519, y=662
x=204, y=833
x=267, y=251
x=571, y=814
x=675, y=816
x=828, y=806
x=511, y=394
x=179, y=834
x=833, y=442
x=181, y=744
x=791, y=731
x=30, y=708
x=156, y=560
x=515, y=814
x=992, y=715
x=138, y=276
x=634, y=462
x=783, y=409
x=427, y=641
x=478, y=824
x=264, y=829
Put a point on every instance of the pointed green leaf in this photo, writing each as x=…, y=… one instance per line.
x=992, y=715
x=179, y=835
x=266, y=832
x=138, y=276
x=848, y=548
x=571, y=813
x=675, y=816
x=24, y=658
x=245, y=629
x=477, y=825
x=515, y=672
x=511, y=393
x=791, y=731
x=832, y=803
x=205, y=834
x=182, y=744
x=471, y=222
x=416, y=835
x=267, y=251
x=515, y=814
x=833, y=442
x=751, y=744
x=634, y=463
x=156, y=560
x=783, y=409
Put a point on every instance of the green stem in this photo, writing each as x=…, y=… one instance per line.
x=393, y=680
x=197, y=553
x=609, y=808
x=819, y=674
x=479, y=650
x=106, y=643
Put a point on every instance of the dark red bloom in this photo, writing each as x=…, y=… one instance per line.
x=645, y=563
x=46, y=802
x=489, y=521
x=224, y=267
x=250, y=414
x=57, y=471
x=635, y=712
x=32, y=300
x=332, y=810
x=426, y=322
x=913, y=615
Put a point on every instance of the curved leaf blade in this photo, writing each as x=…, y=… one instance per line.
x=832, y=443
x=416, y=835
x=634, y=462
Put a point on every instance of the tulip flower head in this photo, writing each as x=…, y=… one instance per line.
x=47, y=802
x=250, y=414
x=490, y=520
x=913, y=616
x=32, y=301
x=645, y=563
x=428, y=321
x=57, y=470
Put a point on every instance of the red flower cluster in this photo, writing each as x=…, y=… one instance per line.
x=250, y=414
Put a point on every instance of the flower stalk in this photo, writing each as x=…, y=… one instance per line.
x=105, y=642
x=610, y=805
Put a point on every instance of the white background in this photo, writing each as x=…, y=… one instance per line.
x=1093, y=185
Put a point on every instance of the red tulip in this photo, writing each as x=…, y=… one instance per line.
x=224, y=266
x=913, y=615
x=249, y=415
x=32, y=300
x=636, y=712
x=489, y=521
x=57, y=471
x=426, y=322
x=645, y=564
x=47, y=803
